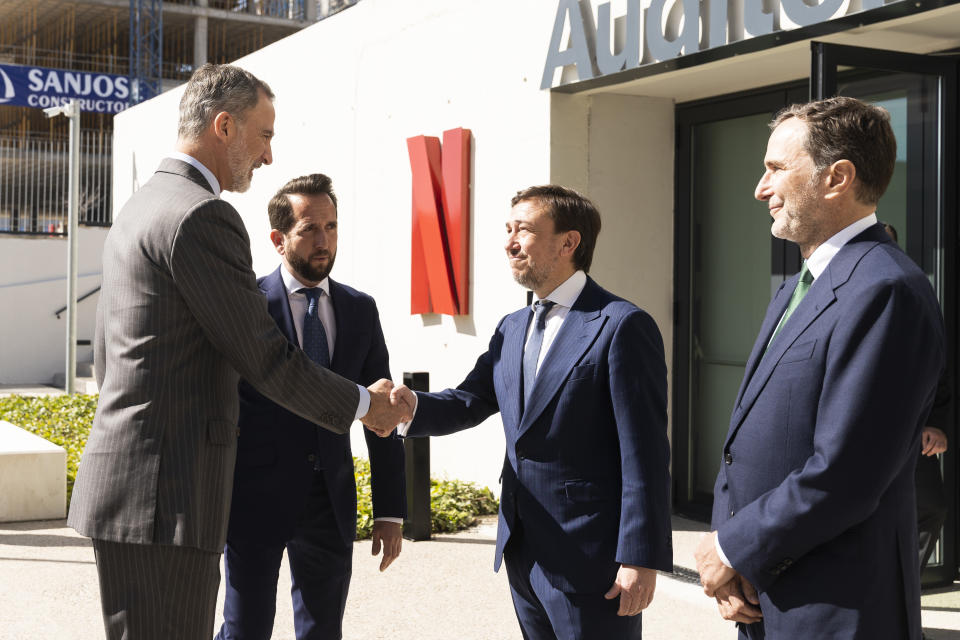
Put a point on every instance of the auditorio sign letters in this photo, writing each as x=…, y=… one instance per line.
x=666, y=29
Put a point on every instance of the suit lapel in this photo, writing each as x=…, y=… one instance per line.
x=577, y=333
x=511, y=357
x=821, y=295
x=776, y=308
x=278, y=304
x=342, y=313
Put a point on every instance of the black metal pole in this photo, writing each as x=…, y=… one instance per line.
x=416, y=526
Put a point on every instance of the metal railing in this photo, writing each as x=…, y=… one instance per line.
x=33, y=182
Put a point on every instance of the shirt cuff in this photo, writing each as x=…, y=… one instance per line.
x=403, y=427
x=393, y=520
x=723, y=556
x=364, y=405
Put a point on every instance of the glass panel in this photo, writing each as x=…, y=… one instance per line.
x=731, y=278
x=912, y=202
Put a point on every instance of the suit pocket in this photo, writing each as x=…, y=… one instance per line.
x=799, y=352
x=220, y=432
x=583, y=371
x=584, y=491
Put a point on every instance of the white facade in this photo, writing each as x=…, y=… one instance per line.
x=33, y=285
x=350, y=91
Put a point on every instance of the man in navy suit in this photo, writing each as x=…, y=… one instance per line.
x=814, y=515
x=580, y=383
x=294, y=484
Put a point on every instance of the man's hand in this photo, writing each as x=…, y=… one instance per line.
x=402, y=395
x=635, y=586
x=713, y=572
x=383, y=416
x=390, y=534
x=738, y=601
x=932, y=441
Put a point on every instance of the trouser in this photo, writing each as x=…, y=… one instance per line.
x=320, y=568
x=150, y=591
x=546, y=613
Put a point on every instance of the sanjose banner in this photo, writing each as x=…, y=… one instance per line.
x=40, y=87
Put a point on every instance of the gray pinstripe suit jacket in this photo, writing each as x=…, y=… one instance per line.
x=180, y=318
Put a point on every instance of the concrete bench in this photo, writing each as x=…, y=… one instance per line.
x=33, y=476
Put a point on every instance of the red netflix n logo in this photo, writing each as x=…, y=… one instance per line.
x=440, y=262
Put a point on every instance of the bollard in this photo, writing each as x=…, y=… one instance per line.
x=416, y=526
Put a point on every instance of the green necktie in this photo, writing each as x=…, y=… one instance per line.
x=803, y=286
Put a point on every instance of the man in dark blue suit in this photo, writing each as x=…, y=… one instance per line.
x=294, y=484
x=580, y=383
x=814, y=512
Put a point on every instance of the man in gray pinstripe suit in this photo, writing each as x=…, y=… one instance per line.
x=180, y=318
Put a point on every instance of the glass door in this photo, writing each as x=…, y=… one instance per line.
x=920, y=92
x=730, y=266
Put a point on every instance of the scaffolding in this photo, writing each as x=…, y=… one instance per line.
x=94, y=36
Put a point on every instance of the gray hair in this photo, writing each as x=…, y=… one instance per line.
x=214, y=88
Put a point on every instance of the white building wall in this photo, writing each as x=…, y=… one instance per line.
x=33, y=285
x=350, y=91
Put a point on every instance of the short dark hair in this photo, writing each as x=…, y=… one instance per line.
x=569, y=211
x=280, y=209
x=214, y=88
x=843, y=128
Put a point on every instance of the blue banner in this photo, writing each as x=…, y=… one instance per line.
x=40, y=87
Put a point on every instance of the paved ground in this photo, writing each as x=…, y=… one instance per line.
x=436, y=590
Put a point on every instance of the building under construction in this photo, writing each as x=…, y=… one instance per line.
x=170, y=40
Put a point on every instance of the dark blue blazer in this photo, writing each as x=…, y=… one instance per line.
x=814, y=501
x=276, y=448
x=586, y=465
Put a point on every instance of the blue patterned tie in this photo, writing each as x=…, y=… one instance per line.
x=314, y=335
x=531, y=354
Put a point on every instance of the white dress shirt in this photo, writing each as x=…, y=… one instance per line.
x=199, y=166
x=563, y=298
x=817, y=264
x=298, y=309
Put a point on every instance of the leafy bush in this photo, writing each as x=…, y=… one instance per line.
x=66, y=421
x=454, y=504
x=63, y=420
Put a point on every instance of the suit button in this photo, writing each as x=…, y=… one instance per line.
x=731, y=513
x=522, y=455
x=311, y=458
x=728, y=458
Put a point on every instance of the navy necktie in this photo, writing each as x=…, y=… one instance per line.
x=531, y=354
x=314, y=335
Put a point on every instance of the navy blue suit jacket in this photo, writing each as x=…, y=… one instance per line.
x=586, y=465
x=814, y=502
x=276, y=448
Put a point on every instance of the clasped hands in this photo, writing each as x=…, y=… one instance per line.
x=736, y=598
x=390, y=405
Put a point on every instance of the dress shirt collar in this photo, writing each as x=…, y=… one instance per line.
x=822, y=255
x=199, y=166
x=568, y=291
x=293, y=285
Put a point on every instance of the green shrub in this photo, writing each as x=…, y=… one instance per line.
x=67, y=420
x=454, y=504
x=63, y=420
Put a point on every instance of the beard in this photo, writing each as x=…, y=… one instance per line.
x=241, y=169
x=533, y=277
x=800, y=221
x=303, y=267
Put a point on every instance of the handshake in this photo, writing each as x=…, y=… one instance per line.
x=389, y=406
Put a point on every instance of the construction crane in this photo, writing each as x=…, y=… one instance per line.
x=146, y=49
